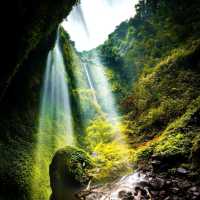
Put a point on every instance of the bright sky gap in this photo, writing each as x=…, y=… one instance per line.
x=99, y=18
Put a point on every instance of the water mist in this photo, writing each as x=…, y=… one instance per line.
x=55, y=122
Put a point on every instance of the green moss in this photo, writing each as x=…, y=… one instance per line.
x=177, y=141
x=176, y=144
x=71, y=163
x=162, y=96
x=69, y=168
x=142, y=153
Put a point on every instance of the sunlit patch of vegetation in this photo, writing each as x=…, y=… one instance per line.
x=112, y=161
x=109, y=151
x=162, y=96
x=176, y=140
x=48, y=143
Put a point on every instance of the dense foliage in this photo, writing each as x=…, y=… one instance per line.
x=143, y=41
x=161, y=47
x=154, y=58
x=151, y=62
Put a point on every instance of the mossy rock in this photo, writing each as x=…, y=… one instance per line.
x=68, y=171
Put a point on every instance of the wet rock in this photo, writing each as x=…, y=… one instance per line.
x=167, y=198
x=144, y=184
x=157, y=183
x=175, y=198
x=175, y=190
x=154, y=193
x=163, y=193
x=123, y=195
x=196, y=194
x=184, y=184
x=194, y=189
x=182, y=171
x=168, y=182
x=156, y=164
x=154, y=187
x=174, y=182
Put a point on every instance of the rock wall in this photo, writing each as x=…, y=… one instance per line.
x=29, y=29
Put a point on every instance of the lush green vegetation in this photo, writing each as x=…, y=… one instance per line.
x=162, y=51
x=69, y=167
x=152, y=63
x=94, y=132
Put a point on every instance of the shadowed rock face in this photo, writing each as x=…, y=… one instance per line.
x=27, y=24
x=29, y=29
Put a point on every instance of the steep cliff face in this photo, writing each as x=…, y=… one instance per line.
x=28, y=24
x=29, y=33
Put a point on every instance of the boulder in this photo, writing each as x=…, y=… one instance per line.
x=68, y=172
x=182, y=171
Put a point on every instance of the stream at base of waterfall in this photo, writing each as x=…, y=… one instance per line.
x=146, y=185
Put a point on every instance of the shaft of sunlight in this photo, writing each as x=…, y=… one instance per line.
x=55, y=122
x=90, y=82
x=89, y=24
x=56, y=116
x=102, y=88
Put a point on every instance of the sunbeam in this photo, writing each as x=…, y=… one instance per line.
x=55, y=122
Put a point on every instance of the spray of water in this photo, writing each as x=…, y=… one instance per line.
x=99, y=83
x=90, y=82
x=56, y=117
x=55, y=123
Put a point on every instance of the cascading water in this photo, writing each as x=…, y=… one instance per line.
x=55, y=122
x=56, y=117
x=90, y=82
x=103, y=89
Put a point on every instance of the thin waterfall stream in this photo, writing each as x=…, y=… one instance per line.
x=90, y=82
x=55, y=122
x=56, y=116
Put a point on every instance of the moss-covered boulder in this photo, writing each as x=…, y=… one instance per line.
x=68, y=172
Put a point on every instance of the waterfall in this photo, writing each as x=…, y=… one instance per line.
x=56, y=116
x=55, y=121
x=90, y=82
x=99, y=84
x=88, y=29
x=104, y=91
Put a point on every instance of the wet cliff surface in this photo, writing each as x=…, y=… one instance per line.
x=29, y=33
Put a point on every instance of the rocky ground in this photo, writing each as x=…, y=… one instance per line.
x=150, y=186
